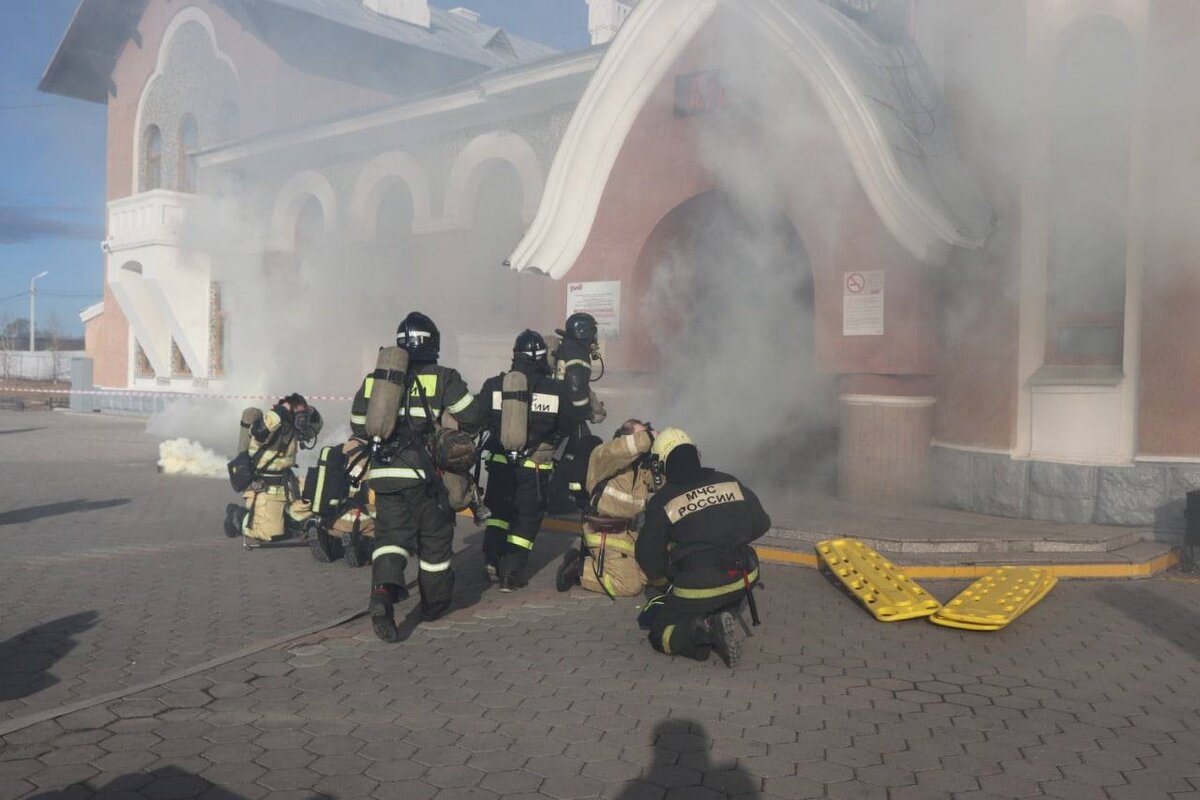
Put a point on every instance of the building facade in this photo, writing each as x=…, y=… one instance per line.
x=979, y=211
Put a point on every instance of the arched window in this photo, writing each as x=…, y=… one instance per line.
x=228, y=122
x=310, y=228
x=393, y=225
x=1091, y=113
x=496, y=230
x=151, y=159
x=189, y=140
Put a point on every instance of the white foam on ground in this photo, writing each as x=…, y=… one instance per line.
x=185, y=457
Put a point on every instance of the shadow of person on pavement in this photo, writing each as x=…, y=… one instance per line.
x=26, y=659
x=20, y=430
x=163, y=782
x=681, y=759
x=31, y=513
x=1163, y=616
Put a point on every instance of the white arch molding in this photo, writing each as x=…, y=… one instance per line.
x=465, y=176
x=928, y=208
x=291, y=199
x=377, y=177
x=185, y=15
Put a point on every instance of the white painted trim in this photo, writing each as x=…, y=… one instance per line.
x=1167, y=460
x=185, y=15
x=91, y=312
x=1049, y=27
x=887, y=400
x=465, y=177
x=628, y=74
x=639, y=59
x=969, y=448
x=376, y=178
x=290, y=200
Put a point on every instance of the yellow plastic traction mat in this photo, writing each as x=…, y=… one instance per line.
x=996, y=599
x=886, y=592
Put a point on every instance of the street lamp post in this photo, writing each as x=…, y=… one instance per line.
x=33, y=308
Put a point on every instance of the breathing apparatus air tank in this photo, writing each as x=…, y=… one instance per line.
x=514, y=412
x=387, y=394
x=249, y=417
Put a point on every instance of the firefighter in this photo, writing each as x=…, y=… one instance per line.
x=620, y=481
x=573, y=361
x=272, y=504
x=530, y=414
x=697, y=537
x=413, y=517
x=568, y=492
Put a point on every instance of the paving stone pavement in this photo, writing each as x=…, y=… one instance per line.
x=1095, y=693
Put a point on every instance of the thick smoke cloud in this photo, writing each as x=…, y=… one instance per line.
x=733, y=299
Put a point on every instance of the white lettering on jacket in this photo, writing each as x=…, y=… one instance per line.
x=715, y=494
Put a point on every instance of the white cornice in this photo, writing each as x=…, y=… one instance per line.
x=475, y=96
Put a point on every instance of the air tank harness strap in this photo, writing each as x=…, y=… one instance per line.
x=389, y=375
x=749, y=589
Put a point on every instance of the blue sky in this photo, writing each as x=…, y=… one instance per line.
x=52, y=153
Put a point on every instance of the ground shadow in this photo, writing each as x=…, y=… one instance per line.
x=31, y=513
x=164, y=782
x=20, y=430
x=1163, y=616
x=25, y=659
x=679, y=745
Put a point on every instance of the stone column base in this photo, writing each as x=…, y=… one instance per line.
x=884, y=453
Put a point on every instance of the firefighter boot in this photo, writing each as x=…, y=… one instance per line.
x=382, y=609
x=720, y=631
x=233, y=520
x=570, y=571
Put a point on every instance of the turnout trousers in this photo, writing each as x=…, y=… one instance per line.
x=411, y=524
x=675, y=630
x=518, y=498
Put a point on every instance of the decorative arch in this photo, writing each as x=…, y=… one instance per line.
x=291, y=199
x=186, y=15
x=376, y=178
x=465, y=175
x=926, y=199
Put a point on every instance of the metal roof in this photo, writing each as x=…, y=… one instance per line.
x=82, y=65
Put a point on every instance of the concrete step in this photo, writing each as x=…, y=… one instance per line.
x=1027, y=539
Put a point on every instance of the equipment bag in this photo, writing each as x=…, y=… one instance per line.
x=327, y=485
x=454, y=451
x=242, y=468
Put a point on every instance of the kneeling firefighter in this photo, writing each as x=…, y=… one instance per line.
x=400, y=407
x=343, y=506
x=620, y=480
x=530, y=414
x=697, y=537
x=263, y=470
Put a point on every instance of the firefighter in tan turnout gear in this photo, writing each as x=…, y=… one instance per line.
x=263, y=472
x=696, y=538
x=399, y=409
x=620, y=481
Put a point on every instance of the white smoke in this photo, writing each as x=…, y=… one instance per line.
x=184, y=457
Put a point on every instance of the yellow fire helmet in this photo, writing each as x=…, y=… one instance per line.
x=667, y=440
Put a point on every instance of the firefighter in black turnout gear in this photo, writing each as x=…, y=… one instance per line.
x=413, y=517
x=697, y=537
x=530, y=413
x=574, y=359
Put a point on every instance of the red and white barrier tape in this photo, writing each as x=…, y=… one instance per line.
x=187, y=395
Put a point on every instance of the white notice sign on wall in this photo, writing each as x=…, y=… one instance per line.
x=862, y=303
x=601, y=299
